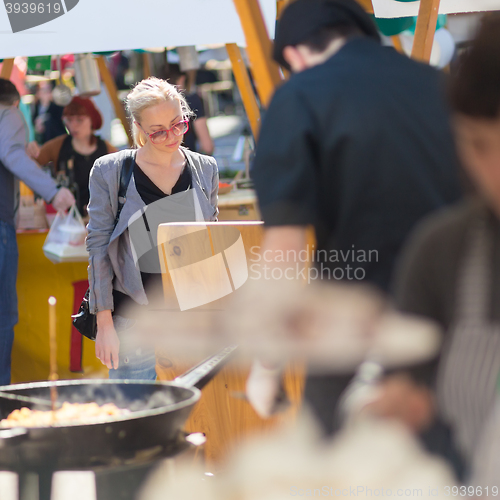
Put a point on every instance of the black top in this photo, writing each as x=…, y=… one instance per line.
x=196, y=104
x=53, y=125
x=78, y=176
x=149, y=192
x=360, y=147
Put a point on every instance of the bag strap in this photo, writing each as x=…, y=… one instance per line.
x=125, y=176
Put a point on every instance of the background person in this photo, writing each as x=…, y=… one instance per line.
x=15, y=164
x=358, y=144
x=163, y=169
x=74, y=155
x=450, y=270
x=47, y=115
x=198, y=136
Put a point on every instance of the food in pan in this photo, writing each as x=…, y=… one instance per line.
x=69, y=413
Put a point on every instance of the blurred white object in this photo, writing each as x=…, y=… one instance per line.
x=75, y=485
x=62, y=95
x=333, y=327
x=8, y=485
x=463, y=27
x=446, y=43
x=88, y=80
x=66, y=239
x=402, y=340
x=369, y=458
x=262, y=388
x=443, y=47
x=188, y=58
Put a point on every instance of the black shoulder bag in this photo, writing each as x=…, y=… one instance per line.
x=84, y=321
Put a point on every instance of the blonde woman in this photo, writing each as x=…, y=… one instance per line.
x=122, y=276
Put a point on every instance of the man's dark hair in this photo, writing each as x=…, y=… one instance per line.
x=321, y=39
x=475, y=85
x=8, y=92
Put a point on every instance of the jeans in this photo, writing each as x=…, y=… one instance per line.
x=136, y=362
x=8, y=297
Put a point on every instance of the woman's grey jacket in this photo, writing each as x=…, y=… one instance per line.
x=111, y=258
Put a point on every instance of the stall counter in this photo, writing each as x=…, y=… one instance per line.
x=38, y=278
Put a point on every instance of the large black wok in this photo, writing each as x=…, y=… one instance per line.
x=158, y=411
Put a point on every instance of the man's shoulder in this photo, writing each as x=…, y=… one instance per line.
x=9, y=115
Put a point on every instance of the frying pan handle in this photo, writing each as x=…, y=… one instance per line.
x=12, y=436
x=201, y=374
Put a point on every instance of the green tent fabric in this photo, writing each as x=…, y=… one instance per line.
x=395, y=26
x=391, y=27
x=109, y=53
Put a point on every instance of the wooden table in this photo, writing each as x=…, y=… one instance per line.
x=239, y=204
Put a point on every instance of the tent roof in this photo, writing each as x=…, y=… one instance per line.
x=106, y=25
x=406, y=8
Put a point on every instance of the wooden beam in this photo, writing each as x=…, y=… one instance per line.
x=7, y=66
x=146, y=65
x=280, y=7
x=425, y=29
x=113, y=95
x=367, y=5
x=281, y=4
x=264, y=70
x=245, y=87
x=396, y=41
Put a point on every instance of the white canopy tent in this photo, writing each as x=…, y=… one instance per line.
x=395, y=8
x=97, y=26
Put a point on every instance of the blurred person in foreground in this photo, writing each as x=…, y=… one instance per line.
x=450, y=270
x=74, y=154
x=357, y=144
x=15, y=165
x=169, y=183
x=198, y=136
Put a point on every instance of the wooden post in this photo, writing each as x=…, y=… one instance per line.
x=280, y=7
x=7, y=66
x=367, y=5
x=113, y=95
x=396, y=40
x=146, y=65
x=245, y=87
x=264, y=70
x=424, y=32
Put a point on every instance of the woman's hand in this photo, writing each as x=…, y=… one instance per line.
x=107, y=344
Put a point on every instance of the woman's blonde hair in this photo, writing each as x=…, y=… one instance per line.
x=150, y=92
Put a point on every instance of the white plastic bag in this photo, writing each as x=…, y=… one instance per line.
x=66, y=239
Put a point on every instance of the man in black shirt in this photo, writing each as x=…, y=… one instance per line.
x=358, y=144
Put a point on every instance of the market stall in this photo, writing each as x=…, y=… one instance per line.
x=38, y=278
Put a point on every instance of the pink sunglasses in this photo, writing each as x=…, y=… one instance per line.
x=180, y=128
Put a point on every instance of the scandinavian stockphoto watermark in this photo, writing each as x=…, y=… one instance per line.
x=359, y=491
x=206, y=261
x=342, y=265
x=24, y=15
x=364, y=491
